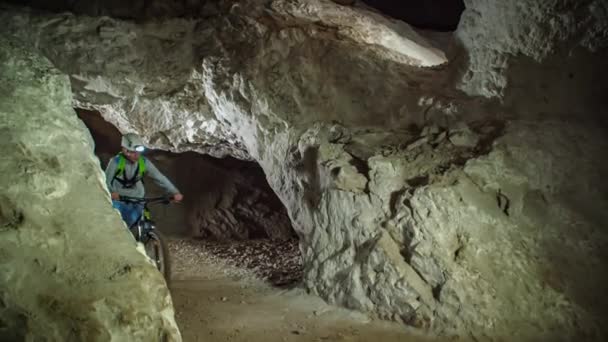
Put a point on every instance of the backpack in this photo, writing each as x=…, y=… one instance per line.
x=138, y=176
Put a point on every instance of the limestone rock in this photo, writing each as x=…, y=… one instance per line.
x=464, y=240
x=370, y=28
x=463, y=136
x=538, y=55
x=235, y=207
x=135, y=9
x=154, y=74
x=226, y=200
x=69, y=269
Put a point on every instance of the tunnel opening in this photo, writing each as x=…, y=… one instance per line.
x=438, y=15
x=229, y=210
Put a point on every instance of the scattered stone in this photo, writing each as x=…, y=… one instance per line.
x=430, y=130
x=418, y=143
x=440, y=137
x=464, y=138
x=278, y=263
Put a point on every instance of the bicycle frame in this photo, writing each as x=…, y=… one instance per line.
x=143, y=230
x=144, y=223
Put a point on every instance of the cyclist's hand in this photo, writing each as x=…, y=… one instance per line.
x=115, y=196
x=178, y=197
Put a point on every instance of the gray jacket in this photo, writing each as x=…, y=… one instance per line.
x=138, y=190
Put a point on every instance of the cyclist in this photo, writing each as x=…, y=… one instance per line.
x=124, y=177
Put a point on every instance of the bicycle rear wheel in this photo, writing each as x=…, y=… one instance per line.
x=157, y=250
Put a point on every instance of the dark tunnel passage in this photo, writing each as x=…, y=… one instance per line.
x=228, y=209
x=437, y=15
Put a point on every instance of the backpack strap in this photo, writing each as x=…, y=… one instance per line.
x=142, y=166
x=120, y=176
x=121, y=161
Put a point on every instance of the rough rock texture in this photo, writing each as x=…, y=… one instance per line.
x=229, y=203
x=68, y=267
x=440, y=215
x=506, y=224
x=402, y=43
x=411, y=199
x=134, y=9
x=226, y=199
x=505, y=44
x=155, y=73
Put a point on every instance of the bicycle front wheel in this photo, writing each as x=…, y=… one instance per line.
x=157, y=250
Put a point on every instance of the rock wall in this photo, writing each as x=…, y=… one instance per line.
x=540, y=58
x=460, y=230
x=230, y=200
x=68, y=267
x=413, y=196
x=135, y=9
x=225, y=200
x=154, y=73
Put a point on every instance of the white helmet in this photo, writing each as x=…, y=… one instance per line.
x=132, y=142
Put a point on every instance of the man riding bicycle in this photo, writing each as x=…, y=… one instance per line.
x=124, y=177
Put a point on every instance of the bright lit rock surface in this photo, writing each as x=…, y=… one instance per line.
x=69, y=269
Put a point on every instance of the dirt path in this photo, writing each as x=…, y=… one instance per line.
x=216, y=302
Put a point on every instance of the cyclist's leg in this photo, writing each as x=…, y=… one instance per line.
x=123, y=209
x=134, y=213
x=130, y=212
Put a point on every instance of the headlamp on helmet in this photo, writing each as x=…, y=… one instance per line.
x=132, y=142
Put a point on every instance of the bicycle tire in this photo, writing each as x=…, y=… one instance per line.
x=156, y=248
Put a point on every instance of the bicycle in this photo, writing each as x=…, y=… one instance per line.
x=144, y=231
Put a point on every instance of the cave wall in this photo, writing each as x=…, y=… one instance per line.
x=230, y=200
x=135, y=9
x=424, y=193
x=540, y=58
x=68, y=266
x=225, y=200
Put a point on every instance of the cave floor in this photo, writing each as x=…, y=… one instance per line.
x=215, y=301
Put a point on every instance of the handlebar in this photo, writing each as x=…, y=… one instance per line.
x=162, y=199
